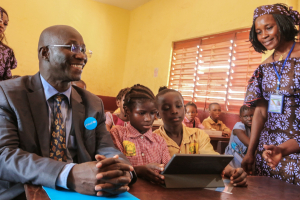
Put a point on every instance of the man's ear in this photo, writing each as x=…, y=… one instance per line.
x=44, y=51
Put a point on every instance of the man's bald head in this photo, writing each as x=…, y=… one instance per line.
x=58, y=34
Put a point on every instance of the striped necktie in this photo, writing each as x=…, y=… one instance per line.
x=58, y=149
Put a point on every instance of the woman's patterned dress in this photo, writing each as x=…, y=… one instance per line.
x=7, y=62
x=279, y=127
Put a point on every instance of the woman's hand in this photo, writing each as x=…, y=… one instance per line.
x=150, y=172
x=247, y=163
x=272, y=155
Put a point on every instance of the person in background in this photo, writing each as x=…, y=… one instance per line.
x=79, y=83
x=274, y=28
x=212, y=122
x=147, y=152
x=7, y=56
x=240, y=136
x=191, y=120
x=117, y=118
x=184, y=140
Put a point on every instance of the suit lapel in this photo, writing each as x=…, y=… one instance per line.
x=39, y=110
x=78, y=114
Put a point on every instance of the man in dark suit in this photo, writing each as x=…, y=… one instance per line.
x=43, y=116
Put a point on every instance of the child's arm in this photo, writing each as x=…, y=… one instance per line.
x=242, y=136
x=225, y=130
x=273, y=154
x=149, y=172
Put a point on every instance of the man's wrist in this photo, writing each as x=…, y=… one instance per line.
x=62, y=179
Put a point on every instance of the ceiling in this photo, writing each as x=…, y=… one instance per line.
x=125, y=4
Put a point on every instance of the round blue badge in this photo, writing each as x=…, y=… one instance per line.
x=90, y=123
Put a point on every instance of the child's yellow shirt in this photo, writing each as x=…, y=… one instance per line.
x=219, y=126
x=194, y=141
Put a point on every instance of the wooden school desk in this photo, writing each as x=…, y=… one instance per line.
x=259, y=187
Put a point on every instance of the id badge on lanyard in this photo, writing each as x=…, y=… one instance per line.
x=276, y=100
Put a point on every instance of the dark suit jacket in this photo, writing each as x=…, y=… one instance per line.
x=25, y=137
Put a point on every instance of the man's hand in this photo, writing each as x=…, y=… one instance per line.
x=82, y=178
x=150, y=172
x=272, y=155
x=113, y=176
x=238, y=177
x=247, y=163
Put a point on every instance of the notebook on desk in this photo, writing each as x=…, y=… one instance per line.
x=213, y=133
x=194, y=170
x=68, y=194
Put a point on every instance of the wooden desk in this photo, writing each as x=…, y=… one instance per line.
x=259, y=187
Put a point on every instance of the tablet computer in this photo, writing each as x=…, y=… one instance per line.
x=197, y=164
x=195, y=171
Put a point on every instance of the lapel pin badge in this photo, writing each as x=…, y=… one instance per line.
x=90, y=123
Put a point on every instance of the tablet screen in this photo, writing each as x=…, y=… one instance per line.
x=197, y=164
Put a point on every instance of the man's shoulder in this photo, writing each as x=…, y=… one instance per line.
x=21, y=82
x=16, y=87
x=88, y=97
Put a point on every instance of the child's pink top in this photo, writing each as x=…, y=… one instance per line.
x=193, y=124
x=140, y=149
x=112, y=120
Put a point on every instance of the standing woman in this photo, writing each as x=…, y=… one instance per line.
x=7, y=57
x=274, y=89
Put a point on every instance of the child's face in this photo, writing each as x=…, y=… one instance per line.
x=215, y=111
x=246, y=117
x=171, y=108
x=191, y=113
x=120, y=105
x=141, y=117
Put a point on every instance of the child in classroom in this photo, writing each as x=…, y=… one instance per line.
x=147, y=152
x=117, y=118
x=191, y=120
x=240, y=136
x=212, y=122
x=184, y=140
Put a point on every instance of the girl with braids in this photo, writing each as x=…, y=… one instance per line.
x=185, y=140
x=7, y=57
x=275, y=91
x=147, y=152
x=117, y=118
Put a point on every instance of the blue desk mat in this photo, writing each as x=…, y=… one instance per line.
x=68, y=194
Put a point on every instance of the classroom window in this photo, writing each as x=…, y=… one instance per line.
x=214, y=68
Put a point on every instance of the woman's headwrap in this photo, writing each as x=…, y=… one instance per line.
x=277, y=9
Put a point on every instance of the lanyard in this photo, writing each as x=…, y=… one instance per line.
x=279, y=76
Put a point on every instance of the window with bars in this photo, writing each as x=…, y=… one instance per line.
x=214, y=68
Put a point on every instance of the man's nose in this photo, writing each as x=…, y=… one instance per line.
x=81, y=56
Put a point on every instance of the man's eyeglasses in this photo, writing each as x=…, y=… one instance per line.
x=75, y=49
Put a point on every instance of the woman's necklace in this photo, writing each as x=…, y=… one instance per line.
x=281, y=56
